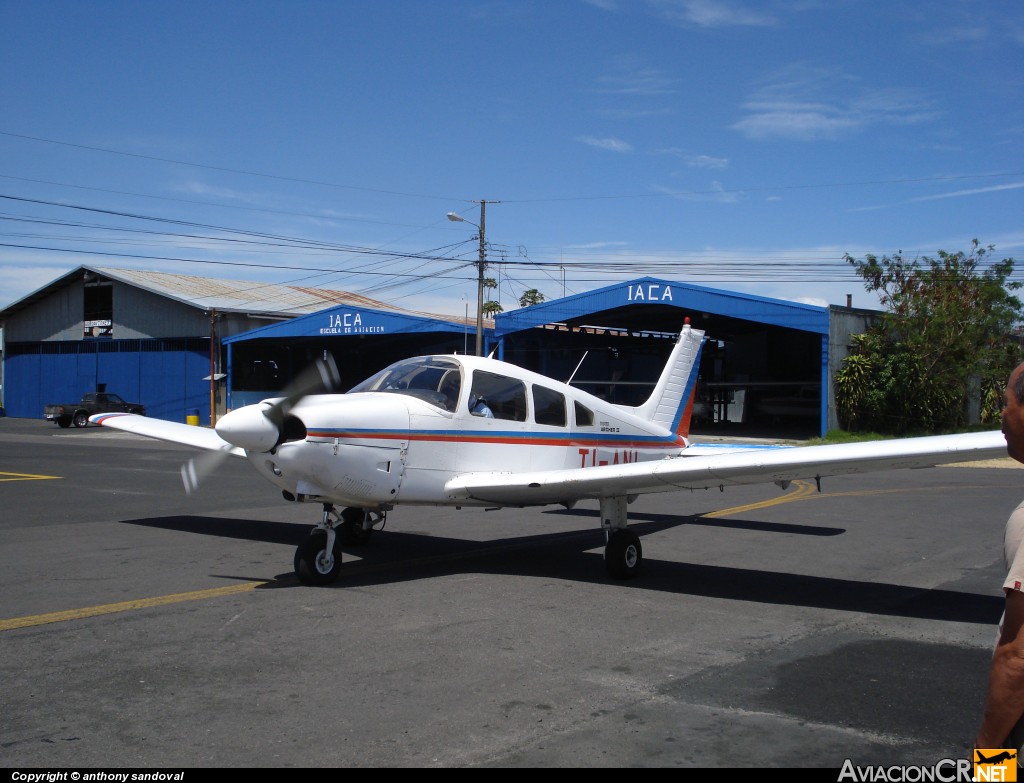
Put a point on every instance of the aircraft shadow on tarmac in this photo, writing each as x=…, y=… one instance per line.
x=405, y=556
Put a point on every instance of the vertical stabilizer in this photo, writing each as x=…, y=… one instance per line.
x=671, y=402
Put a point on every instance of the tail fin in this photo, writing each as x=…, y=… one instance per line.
x=671, y=402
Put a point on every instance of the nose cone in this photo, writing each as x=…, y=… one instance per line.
x=248, y=428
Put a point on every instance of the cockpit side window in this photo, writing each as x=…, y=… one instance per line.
x=584, y=416
x=432, y=379
x=548, y=407
x=497, y=396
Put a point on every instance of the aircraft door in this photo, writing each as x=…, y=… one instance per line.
x=493, y=426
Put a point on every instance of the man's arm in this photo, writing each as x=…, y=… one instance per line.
x=1004, y=700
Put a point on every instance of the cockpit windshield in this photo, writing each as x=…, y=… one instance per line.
x=433, y=379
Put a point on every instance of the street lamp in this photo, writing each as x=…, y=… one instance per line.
x=481, y=264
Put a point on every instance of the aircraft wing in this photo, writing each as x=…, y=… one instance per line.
x=186, y=434
x=709, y=470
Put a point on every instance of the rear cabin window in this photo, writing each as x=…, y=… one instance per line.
x=584, y=416
x=548, y=407
x=504, y=397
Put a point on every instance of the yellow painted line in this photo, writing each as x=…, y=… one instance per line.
x=24, y=477
x=803, y=490
x=125, y=606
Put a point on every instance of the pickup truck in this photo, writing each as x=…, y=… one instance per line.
x=78, y=413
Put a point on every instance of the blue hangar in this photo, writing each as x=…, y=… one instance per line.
x=183, y=345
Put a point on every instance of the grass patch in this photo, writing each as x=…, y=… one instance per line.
x=842, y=436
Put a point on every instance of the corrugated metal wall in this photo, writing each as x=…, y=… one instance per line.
x=165, y=375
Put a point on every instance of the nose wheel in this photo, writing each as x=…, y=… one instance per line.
x=318, y=558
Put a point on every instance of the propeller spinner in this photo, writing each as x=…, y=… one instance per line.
x=262, y=427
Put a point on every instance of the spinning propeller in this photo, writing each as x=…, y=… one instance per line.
x=263, y=427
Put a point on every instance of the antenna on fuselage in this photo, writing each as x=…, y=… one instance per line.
x=577, y=368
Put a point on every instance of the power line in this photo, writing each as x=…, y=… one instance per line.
x=538, y=200
x=182, y=259
x=226, y=169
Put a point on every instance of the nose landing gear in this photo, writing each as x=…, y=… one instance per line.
x=318, y=558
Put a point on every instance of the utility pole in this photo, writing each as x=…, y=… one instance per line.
x=213, y=367
x=481, y=266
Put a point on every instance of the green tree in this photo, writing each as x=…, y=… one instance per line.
x=490, y=309
x=946, y=335
x=531, y=297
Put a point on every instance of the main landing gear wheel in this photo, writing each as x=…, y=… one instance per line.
x=313, y=564
x=352, y=531
x=623, y=554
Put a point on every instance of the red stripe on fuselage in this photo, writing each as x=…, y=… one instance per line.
x=506, y=440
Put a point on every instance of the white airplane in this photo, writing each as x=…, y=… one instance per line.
x=460, y=430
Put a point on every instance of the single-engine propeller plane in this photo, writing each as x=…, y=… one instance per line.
x=456, y=430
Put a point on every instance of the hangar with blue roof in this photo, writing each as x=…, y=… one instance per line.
x=363, y=340
x=766, y=367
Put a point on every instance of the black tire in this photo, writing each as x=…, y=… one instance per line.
x=64, y=422
x=623, y=554
x=351, y=529
x=309, y=564
x=81, y=419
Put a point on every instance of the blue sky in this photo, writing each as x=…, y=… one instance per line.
x=739, y=145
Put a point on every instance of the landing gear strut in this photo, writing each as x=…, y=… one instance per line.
x=318, y=558
x=356, y=526
x=623, y=553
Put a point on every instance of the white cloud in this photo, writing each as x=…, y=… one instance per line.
x=630, y=76
x=716, y=193
x=711, y=13
x=634, y=114
x=970, y=192
x=808, y=103
x=597, y=245
x=610, y=144
x=938, y=196
x=198, y=188
x=696, y=161
x=803, y=124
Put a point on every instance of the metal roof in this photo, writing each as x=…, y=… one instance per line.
x=224, y=296
x=346, y=320
x=616, y=301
